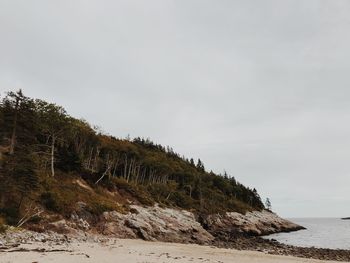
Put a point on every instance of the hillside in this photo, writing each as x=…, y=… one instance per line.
x=45, y=152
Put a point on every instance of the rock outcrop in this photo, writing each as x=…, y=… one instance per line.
x=167, y=224
x=256, y=223
x=154, y=223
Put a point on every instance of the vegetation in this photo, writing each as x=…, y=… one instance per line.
x=2, y=225
x=268, y=204
x=51, y=160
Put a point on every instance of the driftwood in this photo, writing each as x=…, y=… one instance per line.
x=30, y=213
x=41, y=250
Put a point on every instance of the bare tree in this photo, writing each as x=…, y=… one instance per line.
x=30, y=213
x=109, y=165
x=54, y=123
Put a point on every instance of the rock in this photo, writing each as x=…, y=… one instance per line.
x=80, y=222
x=83, y=212
x=62, y=227
x=167, y=224
x=155, y=223
x=252, y=223
x=116, y=229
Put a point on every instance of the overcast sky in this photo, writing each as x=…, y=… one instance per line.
x=257, y=88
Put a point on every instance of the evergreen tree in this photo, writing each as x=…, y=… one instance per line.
x=14, y=98
x=268, y=204
x=18, y=178
x=200, y=166
x=192, y=162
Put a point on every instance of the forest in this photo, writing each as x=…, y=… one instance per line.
x=45, y=153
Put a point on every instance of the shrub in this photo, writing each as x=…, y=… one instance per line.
x=159, y=192
x=35, y=220
x=51, y=202
x=238, y=206
x=98, y=207
x=10, y=215
x=182, y=200
x=137, y=191
x=122, y=184
x=2, y=225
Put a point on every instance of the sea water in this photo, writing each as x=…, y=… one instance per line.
x=321, y=233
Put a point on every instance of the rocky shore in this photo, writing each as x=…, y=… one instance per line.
x=229, y=230
x=242, y=242
x=14, y=241
x=172, y=225
x=113, y=250
x=255, y=223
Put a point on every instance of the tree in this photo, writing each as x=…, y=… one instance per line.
x=41, y=135
x=18, y=179
x=18, y=97
x=268, y=204
x=192, y=162
x=68, y=159
x=54, y=124
x=200, y=166
x=18, y=122
x=11, y=105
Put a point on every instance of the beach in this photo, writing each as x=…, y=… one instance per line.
x=135, y=251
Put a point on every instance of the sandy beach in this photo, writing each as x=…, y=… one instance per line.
x=135, y=251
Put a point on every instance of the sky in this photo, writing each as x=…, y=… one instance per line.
x=260, y=89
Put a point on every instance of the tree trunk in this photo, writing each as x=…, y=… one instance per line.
x=89, y=160
x=130, y=169
x=200, y=194
x=103, y=175
x=107, y=171
x=125, y=167
x=94, y=167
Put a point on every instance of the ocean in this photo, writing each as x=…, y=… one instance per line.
x=321, y=232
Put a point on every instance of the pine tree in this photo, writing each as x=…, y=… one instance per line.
x=16, y=99
x=200, y=166
x=268, y=204
x=192, y=162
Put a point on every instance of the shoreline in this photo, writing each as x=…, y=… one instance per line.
x=135, y=250
x=273, y=247
x=20, y=246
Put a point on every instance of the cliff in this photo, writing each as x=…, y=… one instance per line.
x=155, y=223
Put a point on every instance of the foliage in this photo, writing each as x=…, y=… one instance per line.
x=2, y=225
x=10, y=213
x=98, y=207
x=268, y=204
x=48, y=143
x=52, y=202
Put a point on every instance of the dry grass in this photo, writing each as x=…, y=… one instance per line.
x=62, y=193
